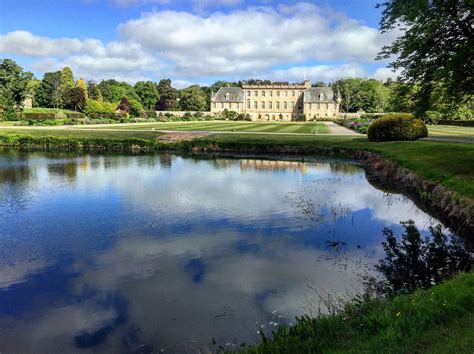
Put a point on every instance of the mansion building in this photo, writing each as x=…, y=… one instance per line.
x=278, y=101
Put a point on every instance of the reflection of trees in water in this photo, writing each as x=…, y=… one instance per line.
x=68, y=170
x=345, y=168
x=414, y=261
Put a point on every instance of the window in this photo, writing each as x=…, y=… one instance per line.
x=278, y=105
x=278, y=93
x=286, y=93
x=255, y=105
x=293, y=93
x=249, y=93
x=318, y=105
x=263, y=93
x=321, y=96
x=263, y=104
x=255, y=93
x=292, y=105
x=227, y=96
x=286, y=105
x=270, y=93
x=327, y=105
x=248, y=104
x=270, y=105
x=222, y=104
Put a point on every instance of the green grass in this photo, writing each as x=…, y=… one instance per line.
x=42, y=132
x=47, y=110
x=223, y=126
x=437, y=320
x=466, y=133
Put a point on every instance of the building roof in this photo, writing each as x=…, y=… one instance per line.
x=229, y=94
x=313, y=94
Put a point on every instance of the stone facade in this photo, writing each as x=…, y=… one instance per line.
x=278, y=101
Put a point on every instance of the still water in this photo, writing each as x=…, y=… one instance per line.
x=125, y=253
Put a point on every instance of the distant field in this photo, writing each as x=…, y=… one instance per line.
x=221, y=126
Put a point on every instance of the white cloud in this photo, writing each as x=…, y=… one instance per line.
x=253, y=40
x=324, y=73
x=385, y=73
x=244, y=43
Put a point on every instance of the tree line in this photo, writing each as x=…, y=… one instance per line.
x=60, y=89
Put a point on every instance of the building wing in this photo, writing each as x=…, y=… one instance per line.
x=318, y=94
x=229, y=94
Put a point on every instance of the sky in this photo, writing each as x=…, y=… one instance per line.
x=196, y=41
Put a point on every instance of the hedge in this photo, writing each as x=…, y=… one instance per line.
x=461, y=123
x=401, y=126
x=42, y=116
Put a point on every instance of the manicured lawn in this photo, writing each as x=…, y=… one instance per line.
x=466, y=133
x=223, y=126
x=126, y=134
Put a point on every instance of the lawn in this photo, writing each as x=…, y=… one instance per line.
x=450, y=131
x=223, y=126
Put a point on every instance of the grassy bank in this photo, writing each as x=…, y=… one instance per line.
x=437, y=320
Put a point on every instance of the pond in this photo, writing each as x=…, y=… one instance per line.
x=112, y=253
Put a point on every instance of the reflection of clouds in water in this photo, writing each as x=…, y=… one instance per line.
x=222, y=249
x=19, y=270
x=56, y=329
x=225, y=301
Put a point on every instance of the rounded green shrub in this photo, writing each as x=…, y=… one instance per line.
x=401, y=126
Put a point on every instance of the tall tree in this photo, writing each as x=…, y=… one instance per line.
x=67, y=83
x=435, y=45
x=148, y=93
x=168, y=96
x=48, y=93
x=77, y=98
x=13, y=83
x=82, y=85
x=193, y=98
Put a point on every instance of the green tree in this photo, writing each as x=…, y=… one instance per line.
x=93, y=91
x=113, y=91
x=76, y=98
x=13, y=83
x=168, y=96
x=193, y=98
x=435, y=45
x=67, y=83
x=148, y=94
x=48, y=93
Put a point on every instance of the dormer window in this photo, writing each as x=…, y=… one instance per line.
x=227, y=96
x=321, y=96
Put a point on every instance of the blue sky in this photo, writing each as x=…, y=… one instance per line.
x=195, y=41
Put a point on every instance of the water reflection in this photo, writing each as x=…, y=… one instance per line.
x=117, y=253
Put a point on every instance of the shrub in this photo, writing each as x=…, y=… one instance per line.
x=99, y=107
x=397, y=126
x=43, y=116
x=10, y=114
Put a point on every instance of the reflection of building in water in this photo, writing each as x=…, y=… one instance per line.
x=273, y=165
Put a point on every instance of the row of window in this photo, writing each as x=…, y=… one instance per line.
x=264, y=105
x=270, y=93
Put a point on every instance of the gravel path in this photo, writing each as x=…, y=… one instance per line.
x=336, y=129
